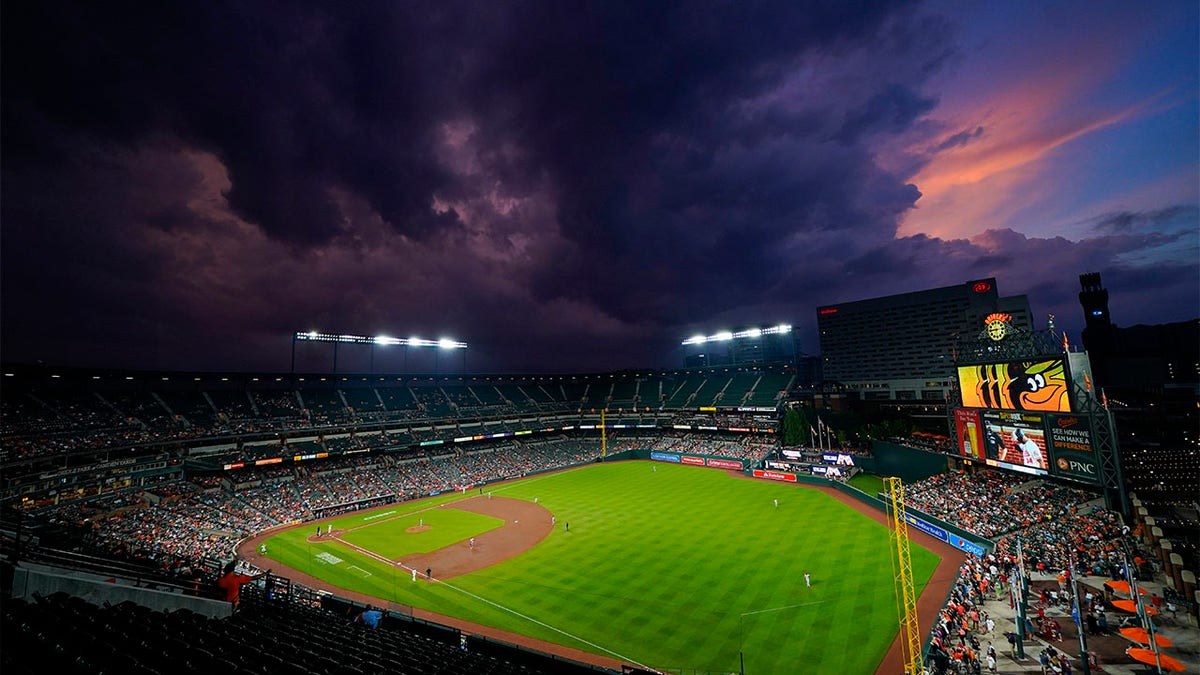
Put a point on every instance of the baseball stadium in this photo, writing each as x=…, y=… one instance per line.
x=693, y=521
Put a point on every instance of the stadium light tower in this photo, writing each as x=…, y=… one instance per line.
x=729, y=340
x=372, y=341
x=725, y=336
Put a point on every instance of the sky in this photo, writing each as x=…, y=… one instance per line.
x=575, y=186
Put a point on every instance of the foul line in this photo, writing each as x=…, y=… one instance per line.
x=776, y=609
x=540, y=623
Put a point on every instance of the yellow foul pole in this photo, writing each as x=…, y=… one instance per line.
x=603, y=436
x=906, y=596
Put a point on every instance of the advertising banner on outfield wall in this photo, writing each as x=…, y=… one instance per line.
x=775, y=475
x=710, y=461
x=964, y=545
x=664, y=457
x=928, y=528
x=725, y=463
x=941, y=534
x=1072, y=455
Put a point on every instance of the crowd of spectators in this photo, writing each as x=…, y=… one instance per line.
x=1091, y=539
x=1053, y=523
x=204, y=517
x=991, y=503
x=956, y=641
x=749, y=447
x=70, y=426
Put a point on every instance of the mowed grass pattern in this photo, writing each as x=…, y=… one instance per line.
x=389, y=536
x=679, y=567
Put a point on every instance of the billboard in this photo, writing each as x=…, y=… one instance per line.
x=1016, y=385
x=942, y=535
x=1015, y=440
x=1072, y=455
x=970, y=432
x=827, y=471
x=775, y=475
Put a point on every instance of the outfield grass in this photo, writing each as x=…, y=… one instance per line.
x=868, y=483
x=676, y=568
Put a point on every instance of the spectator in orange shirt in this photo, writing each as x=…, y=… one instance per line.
x=231, y=582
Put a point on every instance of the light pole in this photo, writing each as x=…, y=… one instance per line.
x=1083, y=653
x=1143, y=615
x=375, y=340
x=1020, y=591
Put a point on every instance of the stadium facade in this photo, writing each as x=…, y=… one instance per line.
x=902, y=347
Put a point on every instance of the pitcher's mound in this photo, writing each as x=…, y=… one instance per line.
x=418, y=528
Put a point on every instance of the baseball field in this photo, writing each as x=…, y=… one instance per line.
x=665, y=566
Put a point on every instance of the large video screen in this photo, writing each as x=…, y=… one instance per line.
x=1016, y=385
x=1015, y=440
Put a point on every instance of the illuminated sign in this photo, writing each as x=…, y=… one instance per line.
x=1016, y=385
x=829, y=310
x=981, y=287
x=997, y=325
x=1074, y=457
x=1015, y=440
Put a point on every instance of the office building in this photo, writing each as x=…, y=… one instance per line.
x=902, y=347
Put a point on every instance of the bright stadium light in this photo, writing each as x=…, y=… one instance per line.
x=372, y=340
x=725, y=336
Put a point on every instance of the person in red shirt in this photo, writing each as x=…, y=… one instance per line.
x=231, y=582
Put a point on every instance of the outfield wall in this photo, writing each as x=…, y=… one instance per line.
x=934, y=527
x=909, y=464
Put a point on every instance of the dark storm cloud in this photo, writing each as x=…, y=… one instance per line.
x=567, y=185
x=1135, y=221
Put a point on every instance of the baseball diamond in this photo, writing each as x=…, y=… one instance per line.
x=671, y=568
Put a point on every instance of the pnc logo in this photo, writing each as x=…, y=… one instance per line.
x=1076, y=466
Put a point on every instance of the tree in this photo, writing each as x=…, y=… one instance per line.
x=796, y=427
